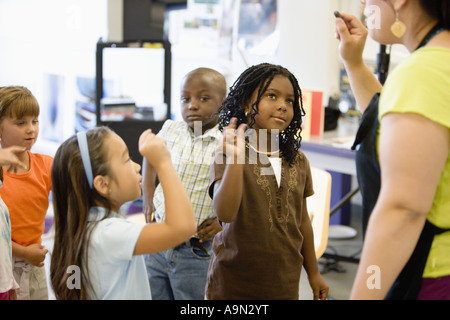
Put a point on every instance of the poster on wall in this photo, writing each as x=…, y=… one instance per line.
x=218, y=27
x=249, y=31
x=85, y=117
x=197, y=27
x=52, y=107
x=258, y=33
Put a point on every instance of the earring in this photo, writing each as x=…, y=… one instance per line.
x=398, y=28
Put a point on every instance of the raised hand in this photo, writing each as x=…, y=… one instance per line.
x=154, y=149
x=234, y=142
x=352, y=35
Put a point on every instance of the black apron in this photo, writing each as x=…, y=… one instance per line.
x=366, y=158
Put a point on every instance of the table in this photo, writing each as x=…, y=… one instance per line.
x=332, y=152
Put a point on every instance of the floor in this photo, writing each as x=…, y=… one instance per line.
x=338, y=274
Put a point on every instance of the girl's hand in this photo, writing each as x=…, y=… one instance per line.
x=234, y=142
x=352, y=35
x=319, y=287
x=154, y=149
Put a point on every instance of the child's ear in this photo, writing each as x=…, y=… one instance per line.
x=101, y=184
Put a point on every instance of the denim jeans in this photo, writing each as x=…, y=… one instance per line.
x=179, y=273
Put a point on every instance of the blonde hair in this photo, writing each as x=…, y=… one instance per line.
x=17, y=102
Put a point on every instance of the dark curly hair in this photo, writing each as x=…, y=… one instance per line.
x=257, y=78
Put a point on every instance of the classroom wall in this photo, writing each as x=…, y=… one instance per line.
x=307, y=45
x=47, y=45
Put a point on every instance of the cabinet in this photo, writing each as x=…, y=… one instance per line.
x=133, y=83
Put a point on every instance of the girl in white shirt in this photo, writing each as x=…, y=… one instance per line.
x=97, y=254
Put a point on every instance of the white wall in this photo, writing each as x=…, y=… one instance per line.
x=59, y=37
x=307, y=44
x=50, y=37
x=307, y=47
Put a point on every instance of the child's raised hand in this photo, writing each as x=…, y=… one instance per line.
x=153, y=148
x=234, y=141
x=8, y=156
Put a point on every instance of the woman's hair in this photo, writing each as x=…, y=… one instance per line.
x=439, y=10
x=257, y=79
x=17, y=102
x=72, y=199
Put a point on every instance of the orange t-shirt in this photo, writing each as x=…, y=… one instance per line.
x=26, y=196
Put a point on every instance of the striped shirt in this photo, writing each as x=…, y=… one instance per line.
x=191, y=157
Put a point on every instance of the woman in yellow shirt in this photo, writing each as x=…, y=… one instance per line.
x=414, y=144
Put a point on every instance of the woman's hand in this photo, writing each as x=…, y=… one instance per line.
x=352, y=35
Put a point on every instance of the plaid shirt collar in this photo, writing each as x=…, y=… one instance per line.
x=210, y=134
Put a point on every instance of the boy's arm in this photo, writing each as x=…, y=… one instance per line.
x=318, y=285
x=179, y=222
x=148, y=188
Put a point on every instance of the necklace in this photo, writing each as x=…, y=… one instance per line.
x=262, y=152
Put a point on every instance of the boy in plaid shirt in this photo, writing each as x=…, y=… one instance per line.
x=180, y=273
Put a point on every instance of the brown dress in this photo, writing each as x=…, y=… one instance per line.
x=258, y=255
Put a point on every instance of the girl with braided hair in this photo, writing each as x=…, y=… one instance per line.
x=244, y=89
x=260, y=181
